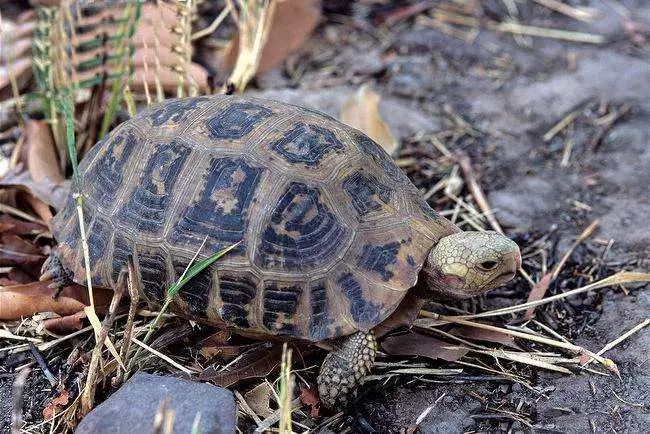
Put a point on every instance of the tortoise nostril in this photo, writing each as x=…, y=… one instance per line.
x=488, y=265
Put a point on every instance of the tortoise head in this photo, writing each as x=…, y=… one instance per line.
x=466, y=264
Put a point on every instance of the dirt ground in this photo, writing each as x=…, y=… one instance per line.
x=511, y=91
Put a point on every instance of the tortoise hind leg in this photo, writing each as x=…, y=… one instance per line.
x=344, y=367
x=54, y=270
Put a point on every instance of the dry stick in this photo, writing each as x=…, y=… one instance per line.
x=569, y=11
x=476, y=191
x=567, y=346
x=545, y=32
x=88, y=397
x=583, y=236
x=615, y=279
x=163, y=357
x=213, y=26
x=520, y=29
x=564, y=122
x=621, y=338
x=134, y=295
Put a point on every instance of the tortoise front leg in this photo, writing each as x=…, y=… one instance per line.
x=54, y=270
x=344, y=367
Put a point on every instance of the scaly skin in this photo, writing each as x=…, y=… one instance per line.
x=344, y=368
x=466, y=264
x=54, y=270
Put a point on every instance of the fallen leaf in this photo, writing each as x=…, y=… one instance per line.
x=259, y=399
x=56, y=405
x=19, y=301
x=485, y=335
x=41, y=158
x=65, y=324
x=17, y=251
x=414, y=344
x=361, y=111
x=293, y=22
x=309, y=396
x=14, y=226
x=538, y=292
x=255, y=364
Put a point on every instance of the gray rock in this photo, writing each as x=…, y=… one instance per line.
x=133, y=407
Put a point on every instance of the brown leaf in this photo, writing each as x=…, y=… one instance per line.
x=414, y=344
x=255, y=364
x=65, y=324
x=259, y=399
x=361, y=111
x=293, y=22
x=14, y=226
x=24, y=300
x=56, y=405
x=17, y=251
x=41, y=158
x=309, y=396
x=485, y=335
x=538, y=292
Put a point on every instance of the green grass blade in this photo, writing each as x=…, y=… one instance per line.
x=196, y=269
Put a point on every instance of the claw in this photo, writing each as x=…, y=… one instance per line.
x=46, y=270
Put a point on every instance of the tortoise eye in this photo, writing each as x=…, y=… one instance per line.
x=488, y=265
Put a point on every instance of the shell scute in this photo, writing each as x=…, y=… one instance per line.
x=175, y=110
x=302, y=232
x=146, y=209
x=236, y=120
x=307, y=144
x=219, y=206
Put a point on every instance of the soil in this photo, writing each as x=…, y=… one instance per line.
x=512, y=92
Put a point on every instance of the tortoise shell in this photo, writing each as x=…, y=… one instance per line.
x=332, y=232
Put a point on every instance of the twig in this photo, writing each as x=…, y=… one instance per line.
x=564, y=122
x=213, y=26
x=615, y=279
x=569, y=11
x=543, y=340
x=42, y=364
x=477, y=192
x=583, y=236
x=545, y=32
x=163, y=357
x=624, y=336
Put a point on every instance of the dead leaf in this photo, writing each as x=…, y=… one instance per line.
x=19, y=301
x=361, y=111
x=14, y=226
x=414, y=344
x=255, y=364
x=485, y=335
x=309, y=396
x=65, y=324
x=259, y=399
x=293, y=22
x=41, y=158
x=17, y=251
x=56, y=405
x=538, y=292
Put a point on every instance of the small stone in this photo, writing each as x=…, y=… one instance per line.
x=133, y=407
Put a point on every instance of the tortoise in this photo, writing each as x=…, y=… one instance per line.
x=335, y=243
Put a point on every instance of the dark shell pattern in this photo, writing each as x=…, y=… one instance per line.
x=332, y=232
